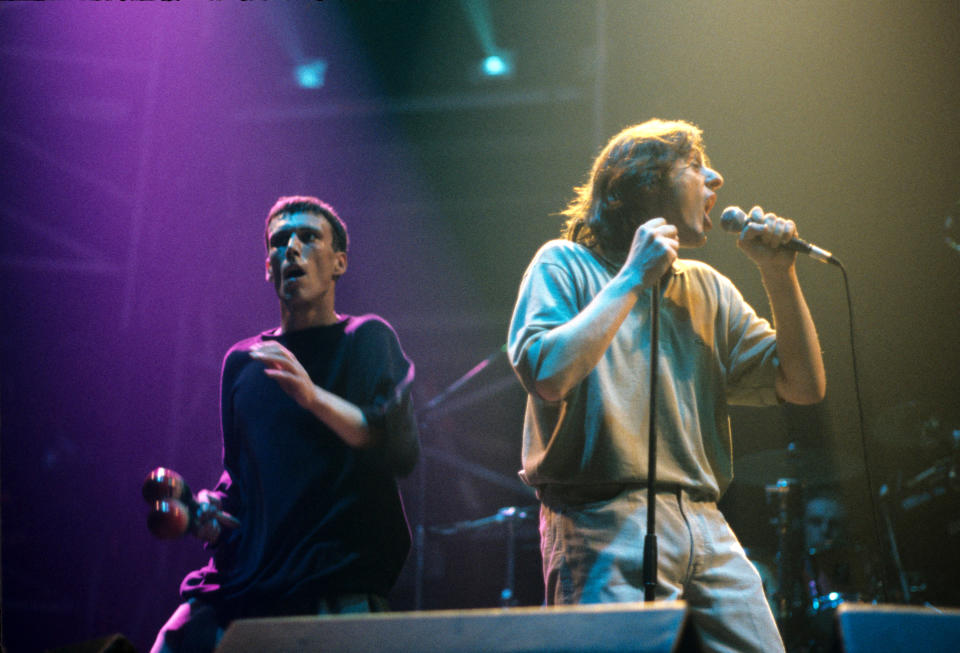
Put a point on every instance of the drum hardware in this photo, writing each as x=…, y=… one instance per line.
x=508, y=516
x=452, y=399
x=829, y=601
x=785, y=497
x=892, y=542
x=930, y=484
x=812, y=580
x=924, y=509
x=833, y=575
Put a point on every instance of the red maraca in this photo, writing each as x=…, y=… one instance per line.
x=173, y=507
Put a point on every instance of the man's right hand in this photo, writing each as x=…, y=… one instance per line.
x=654, y=249
x=572, y=349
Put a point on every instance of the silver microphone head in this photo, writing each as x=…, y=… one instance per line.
x=733, y=219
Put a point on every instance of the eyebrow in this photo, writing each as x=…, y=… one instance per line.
x=287, y=230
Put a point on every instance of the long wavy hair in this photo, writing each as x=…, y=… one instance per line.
x=628, y=183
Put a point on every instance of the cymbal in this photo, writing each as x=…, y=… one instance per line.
x=810, y=466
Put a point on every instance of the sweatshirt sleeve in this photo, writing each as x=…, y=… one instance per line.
x=386, y=376
x=547, y=299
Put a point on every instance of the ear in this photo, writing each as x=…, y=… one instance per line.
x=269, y=275
x=340, y=264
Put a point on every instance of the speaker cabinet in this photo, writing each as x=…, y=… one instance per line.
x=115, y=643
x=868, y=628
x=659, y=627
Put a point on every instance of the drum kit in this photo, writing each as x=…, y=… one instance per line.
x=819, y=563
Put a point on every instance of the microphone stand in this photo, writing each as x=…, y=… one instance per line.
x=650, y=540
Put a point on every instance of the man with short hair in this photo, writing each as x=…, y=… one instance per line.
x=579, y=341
x=318, y=423
x=824, y=521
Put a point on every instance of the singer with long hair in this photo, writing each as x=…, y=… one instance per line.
x=579, y=341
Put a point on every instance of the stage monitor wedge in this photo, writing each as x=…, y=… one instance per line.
x=866, y=628
x=659, y=627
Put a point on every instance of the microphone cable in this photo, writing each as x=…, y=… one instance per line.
x=874, y=506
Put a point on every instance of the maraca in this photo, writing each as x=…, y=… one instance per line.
x=173, y=507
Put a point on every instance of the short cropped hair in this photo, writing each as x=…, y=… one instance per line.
x=307, y=204
x=627, y=182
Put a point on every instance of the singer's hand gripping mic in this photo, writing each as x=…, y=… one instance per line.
x=734, y=219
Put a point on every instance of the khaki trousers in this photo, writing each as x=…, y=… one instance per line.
x=593, y=553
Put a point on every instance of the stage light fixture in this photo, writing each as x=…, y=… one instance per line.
x=311, y=74
x=497, y=65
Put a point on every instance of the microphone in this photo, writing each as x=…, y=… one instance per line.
x=734, y=219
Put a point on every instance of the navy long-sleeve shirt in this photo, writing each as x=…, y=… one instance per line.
x=318, y=517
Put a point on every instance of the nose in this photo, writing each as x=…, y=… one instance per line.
x=293, y=246
x=714, y=179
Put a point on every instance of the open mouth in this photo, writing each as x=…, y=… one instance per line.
x=292, y=272
x=709, y=205
x=706, y=211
